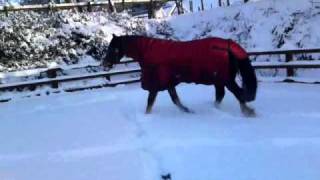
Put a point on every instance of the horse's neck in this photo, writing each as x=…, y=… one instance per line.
x=134, y=47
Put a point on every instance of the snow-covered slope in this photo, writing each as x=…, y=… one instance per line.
x=31, y=40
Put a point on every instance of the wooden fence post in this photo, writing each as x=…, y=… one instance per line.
x=52, y=73
x=290, y=71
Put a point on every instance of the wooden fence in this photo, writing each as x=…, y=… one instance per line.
x=288, y=59
x=62, y=6
x=53, y=80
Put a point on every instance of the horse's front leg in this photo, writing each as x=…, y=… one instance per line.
x=175, y=99
x=151, y=99
x=238, y=92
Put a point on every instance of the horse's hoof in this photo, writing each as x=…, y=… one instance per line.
x=186, y=110
x=217, y=105
x=190, y=112
x=249, y=112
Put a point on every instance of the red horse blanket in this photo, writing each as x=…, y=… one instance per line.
x=166, y=63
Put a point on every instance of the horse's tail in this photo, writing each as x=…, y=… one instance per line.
x=249, y=79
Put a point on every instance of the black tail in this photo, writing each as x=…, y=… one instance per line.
x=249, y=79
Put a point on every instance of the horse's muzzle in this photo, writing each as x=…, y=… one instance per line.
x=107, y=66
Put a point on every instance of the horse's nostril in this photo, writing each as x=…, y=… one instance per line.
x=107, y=68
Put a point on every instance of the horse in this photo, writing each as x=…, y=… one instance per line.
x=166, y=63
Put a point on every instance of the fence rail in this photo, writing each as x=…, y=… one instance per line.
x=61, y=6
x=54, y=81
x=288, y=58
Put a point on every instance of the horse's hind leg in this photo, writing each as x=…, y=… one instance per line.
x=238, y=92
x=151, y=98
x=219, y=95
x=175, y=98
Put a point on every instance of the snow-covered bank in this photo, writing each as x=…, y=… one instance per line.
x=34, y=40
x=103, y=134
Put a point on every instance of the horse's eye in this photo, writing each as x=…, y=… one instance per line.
x=116, y=50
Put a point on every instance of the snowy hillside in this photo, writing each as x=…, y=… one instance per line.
x=263, y=25
x=33, y=40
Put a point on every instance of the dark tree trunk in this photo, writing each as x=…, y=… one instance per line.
x=150, y=10
x=110, y=6
x=191, y=5
x=245, y=1
x=123, y=5
x=228, y=2
x=220, y=3
x=202, y=5
x=179, y=6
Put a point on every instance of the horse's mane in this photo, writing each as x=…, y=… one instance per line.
x=130, y=38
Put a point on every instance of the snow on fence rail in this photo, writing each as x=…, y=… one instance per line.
x=54, y=80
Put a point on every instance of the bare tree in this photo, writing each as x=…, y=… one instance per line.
x=110, y=6
x=179, y=6
x=226, y=2
x=202, y=5
x=123, y=5
x=150, y=10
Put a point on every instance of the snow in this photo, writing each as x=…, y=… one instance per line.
x=104, y=134
x=256, y=26
x=67, y=38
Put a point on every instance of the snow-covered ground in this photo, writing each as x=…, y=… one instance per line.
x=104, y=134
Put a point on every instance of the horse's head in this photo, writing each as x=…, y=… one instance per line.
x=115, y=52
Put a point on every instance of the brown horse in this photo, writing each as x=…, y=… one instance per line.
x=165, y=64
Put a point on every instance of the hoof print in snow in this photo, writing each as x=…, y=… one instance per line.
x=166, y=177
